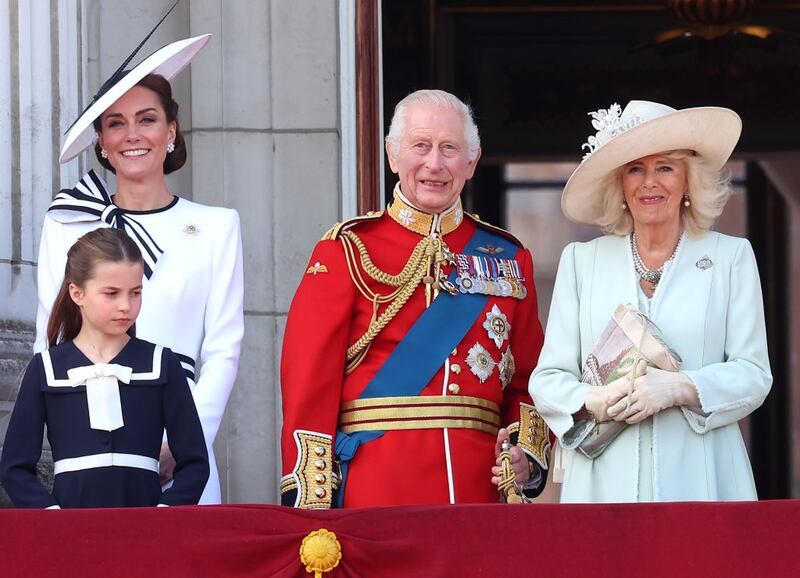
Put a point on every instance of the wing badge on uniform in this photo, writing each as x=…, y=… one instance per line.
x=491, y=250
x=316, y=268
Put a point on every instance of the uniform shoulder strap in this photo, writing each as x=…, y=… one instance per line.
x=335, y=232
x=493, y=229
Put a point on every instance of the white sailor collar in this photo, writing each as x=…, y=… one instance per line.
x=146, y=361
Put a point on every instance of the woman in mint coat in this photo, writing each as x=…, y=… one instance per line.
x=652, y=181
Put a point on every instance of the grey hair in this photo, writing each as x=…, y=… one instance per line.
x=438, y=98
x=709, y=191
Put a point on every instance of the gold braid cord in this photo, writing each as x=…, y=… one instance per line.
x=423, y=266
x=507, y=486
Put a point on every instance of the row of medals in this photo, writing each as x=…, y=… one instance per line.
x=507, y=282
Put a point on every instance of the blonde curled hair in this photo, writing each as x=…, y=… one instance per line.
x=709, y=191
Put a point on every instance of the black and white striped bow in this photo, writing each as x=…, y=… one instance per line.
x=90, y=201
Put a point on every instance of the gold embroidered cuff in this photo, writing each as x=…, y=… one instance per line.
x=534, y=435
x=313, y=476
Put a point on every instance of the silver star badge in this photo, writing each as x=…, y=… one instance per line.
x=480, y=362
x=497, y=326
x=507, y=367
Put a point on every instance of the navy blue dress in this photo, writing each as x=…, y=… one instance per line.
x=102, y=469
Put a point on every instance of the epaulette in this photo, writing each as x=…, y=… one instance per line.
x=333, y=233
x=493, y=229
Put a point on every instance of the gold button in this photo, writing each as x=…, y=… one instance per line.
x=320, y=464
x=320, y=492
x=319, y=450
x=455, y=368
x=319, y=478
x=454, y=352
x=454, y=388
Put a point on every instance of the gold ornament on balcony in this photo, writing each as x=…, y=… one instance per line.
x=320, y=552
x=711, y=19
x=711, y=12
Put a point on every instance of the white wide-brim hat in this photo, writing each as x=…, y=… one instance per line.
x=644, y=128
x=167, y=61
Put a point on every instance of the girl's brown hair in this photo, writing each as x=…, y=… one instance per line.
x=104, y=244
x=161, y=86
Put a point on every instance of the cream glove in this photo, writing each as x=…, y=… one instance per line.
x=653, y=392
x=599, y=399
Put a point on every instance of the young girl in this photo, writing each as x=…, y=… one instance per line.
x=105, y=396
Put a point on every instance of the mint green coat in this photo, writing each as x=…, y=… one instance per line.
x=713, y=317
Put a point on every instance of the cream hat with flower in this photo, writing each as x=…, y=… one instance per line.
x=644, y=128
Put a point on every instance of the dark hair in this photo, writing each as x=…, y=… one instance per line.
x=104, y=244
x=160, y=85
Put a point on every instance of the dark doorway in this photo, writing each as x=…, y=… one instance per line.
x=533, y=70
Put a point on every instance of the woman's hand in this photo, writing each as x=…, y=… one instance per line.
x=519, y=462
x=653, y=392
x=166, y=464
x=599, y=400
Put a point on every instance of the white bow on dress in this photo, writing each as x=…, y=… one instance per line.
x=102, y=392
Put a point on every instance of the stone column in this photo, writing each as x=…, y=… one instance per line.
x=266, y=142
x=37, y=35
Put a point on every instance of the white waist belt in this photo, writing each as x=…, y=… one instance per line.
x=104, y=461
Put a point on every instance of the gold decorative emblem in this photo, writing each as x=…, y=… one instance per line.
x=497, y=326
x=316, y=268
x=480, y=362
x=320, y=552
x=191, y=230
x=507, y=367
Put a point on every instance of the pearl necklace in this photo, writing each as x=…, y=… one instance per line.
x=652, y=276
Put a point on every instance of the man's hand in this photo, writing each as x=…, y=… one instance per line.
x=166, y=464
x=519, y=462
x=653, y=392
x=600, y=400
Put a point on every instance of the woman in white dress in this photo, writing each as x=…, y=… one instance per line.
x=652, y=181
x=193, y=257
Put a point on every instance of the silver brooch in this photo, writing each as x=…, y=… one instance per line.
x=507, y=367
x=191, y=230
x=480, y=362
x=704, y=263
x=497, y=326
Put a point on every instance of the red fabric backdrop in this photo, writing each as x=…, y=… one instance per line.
x=674, y=540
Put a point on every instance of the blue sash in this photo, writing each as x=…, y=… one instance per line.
x=425, y=347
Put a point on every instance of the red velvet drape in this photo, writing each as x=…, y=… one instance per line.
x=670, y=540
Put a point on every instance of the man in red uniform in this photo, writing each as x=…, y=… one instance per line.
x=411, y=338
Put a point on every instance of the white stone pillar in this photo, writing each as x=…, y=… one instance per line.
x=29, y=123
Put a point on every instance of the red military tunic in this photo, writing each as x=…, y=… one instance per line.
x=329, y=313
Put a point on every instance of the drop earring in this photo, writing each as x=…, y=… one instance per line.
x=103, y=153
x=686, y=202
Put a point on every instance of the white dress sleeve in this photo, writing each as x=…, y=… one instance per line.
x=223, y=325
x=555, y=383
x=50, y=274
x=731, y=389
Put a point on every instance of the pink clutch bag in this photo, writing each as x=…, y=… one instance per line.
x=628, y=337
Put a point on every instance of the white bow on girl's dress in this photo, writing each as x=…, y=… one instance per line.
x=102, y=392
